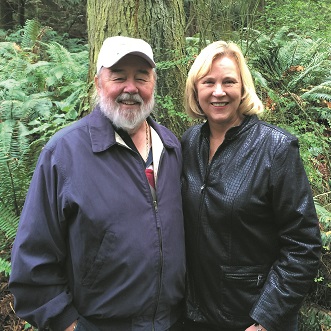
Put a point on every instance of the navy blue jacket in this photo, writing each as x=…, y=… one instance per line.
x=91, y=240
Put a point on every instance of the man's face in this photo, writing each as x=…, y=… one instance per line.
x=126, y=92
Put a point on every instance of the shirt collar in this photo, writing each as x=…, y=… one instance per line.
x=103, y=135
x=233, y=132
x=102, y=132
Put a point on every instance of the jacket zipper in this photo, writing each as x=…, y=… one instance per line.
x=158, y=225
x=207, y=173
x=202, y=195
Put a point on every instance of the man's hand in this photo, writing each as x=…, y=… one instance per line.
x=256, y=328
x=72, y=326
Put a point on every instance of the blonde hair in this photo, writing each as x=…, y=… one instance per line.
x=251, y=104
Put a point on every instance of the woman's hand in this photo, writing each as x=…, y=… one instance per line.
x=72, y=327
x=256, y=328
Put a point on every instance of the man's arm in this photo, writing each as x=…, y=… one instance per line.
x=38, y=278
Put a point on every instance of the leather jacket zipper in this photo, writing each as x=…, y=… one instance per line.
x=202, y=195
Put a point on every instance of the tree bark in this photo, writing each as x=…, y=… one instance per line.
x=21, y=12
x=211, y=20
x=160, y=23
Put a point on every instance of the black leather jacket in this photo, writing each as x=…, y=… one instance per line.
x=252, y=234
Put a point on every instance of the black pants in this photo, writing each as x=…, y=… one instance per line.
x=178, y=326
x=290, y=325
x=84, y=325
x=194, y=326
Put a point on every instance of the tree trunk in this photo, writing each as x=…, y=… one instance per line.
x=21, y=12
x=262, y=5
x=212, y=20
x=160, y=23
x=167, y=33
x=6, y=15
x=200, y=22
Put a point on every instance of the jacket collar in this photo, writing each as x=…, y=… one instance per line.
x=234, y=132
x=103, y=136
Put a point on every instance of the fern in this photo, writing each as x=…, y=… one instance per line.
x=313, y=317
x=42, y=87
x=33, y=32
x=319, y=92
x=292, y=76
x=325, y=221
x=8, y=226
x=286, y=59
x=5, y=267
x=8, y=223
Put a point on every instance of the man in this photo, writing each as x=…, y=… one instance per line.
x=100, y=245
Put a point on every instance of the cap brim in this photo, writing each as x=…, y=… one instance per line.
x=143, y=55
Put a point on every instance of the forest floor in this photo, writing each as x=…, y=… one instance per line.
x=8, y=319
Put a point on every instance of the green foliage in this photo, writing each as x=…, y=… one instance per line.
x=67, y=3
x=31, y=34
x=8, y=227
x=320, y=99
x=305, y=17
x=290, y=73
x=288, y=61
x=42, y=89
x=5, y=267
x=313, y=317
x=325, y=222
x=177, y=120
x=316, y=310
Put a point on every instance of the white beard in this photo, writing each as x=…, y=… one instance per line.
x=127, y=119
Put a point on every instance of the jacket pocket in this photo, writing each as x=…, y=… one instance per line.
x=93, y=266
x=240, y=287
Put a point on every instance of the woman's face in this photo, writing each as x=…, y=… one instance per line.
x=220, y=93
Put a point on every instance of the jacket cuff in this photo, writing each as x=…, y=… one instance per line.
x=63, y=320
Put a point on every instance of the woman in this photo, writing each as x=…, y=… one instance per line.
x=252, y=233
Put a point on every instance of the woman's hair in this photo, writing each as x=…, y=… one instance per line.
x=250, y=104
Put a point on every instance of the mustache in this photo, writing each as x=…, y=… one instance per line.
x=129, y=97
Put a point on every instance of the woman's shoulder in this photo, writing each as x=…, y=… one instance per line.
x=192, y=131
x=276, y=132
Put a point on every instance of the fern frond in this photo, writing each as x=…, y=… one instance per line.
x=320, y=92
x=15, y=175
x=279, y=37
x=8, y=223
x=309, y=71
x=279, y=55
x=31, y=31
x=59, y=54
x=5, y=267
x=325, y=223
x=39, y=93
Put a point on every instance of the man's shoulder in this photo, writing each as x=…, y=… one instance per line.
x=166, y=135
x=69, y=133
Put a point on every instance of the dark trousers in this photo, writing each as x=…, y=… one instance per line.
x=178, y=326
x=290, y=325
x=84, y=325
x=194, y=326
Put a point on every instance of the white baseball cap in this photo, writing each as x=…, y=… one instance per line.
x=114, y=48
